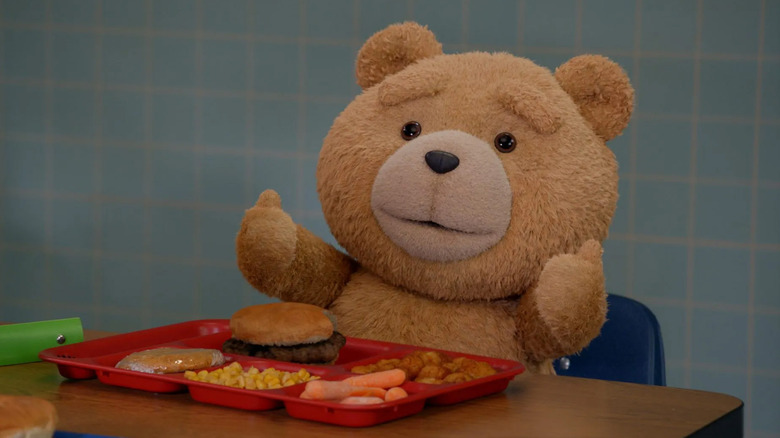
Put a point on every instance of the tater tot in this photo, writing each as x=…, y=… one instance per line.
x=433, y=371
x=431, y=367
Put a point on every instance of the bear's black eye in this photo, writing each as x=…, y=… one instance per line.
x=411, y=130
x=505, y=142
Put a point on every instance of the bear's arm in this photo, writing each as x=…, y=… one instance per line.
x=566, y=309
x=284, y=260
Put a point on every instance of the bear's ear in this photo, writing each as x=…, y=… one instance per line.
x=392, y=49
x=601, y=90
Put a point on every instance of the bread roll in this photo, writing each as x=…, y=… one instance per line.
x=26, y=417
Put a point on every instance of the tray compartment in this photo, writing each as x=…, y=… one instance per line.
x=137, y=380
x=250, y=399
x=351, y=415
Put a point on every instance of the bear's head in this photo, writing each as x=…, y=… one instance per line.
x=457, y=176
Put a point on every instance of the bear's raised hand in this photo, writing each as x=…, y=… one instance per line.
x=265, y=245
x=570, y=302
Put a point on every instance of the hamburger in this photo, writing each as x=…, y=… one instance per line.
x=25, y=416
x=288, y=332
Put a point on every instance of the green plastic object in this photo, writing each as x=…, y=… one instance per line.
x=21, y=343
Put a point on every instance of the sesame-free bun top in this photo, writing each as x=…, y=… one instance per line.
x=282, y=324
x=26, y=416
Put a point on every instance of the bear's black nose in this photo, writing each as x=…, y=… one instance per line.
x=441, y=162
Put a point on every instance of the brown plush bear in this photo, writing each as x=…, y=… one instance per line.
x=471, y=192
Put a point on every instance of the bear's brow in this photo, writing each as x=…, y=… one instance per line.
x=531, y=104
x=408, y=86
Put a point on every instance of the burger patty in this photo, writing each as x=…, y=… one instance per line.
x=317, y=353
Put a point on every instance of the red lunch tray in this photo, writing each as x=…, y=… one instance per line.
x=97, y=358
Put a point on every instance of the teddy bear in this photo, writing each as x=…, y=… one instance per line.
x=470, y=192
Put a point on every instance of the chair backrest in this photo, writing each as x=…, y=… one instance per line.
x=629, y=348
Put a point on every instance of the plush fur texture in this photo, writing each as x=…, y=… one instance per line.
x=420, y=269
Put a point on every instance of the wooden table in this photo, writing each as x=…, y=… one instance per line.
x=532, y=405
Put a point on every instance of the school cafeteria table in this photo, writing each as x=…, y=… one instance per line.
x=532, y=406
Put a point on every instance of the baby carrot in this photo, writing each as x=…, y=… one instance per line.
x=328, y=390
x=379, y=379
x=361, y=400
x=395, y=393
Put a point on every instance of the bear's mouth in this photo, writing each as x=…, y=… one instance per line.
x=435, y=225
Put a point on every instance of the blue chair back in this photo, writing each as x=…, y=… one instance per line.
x=629, y=348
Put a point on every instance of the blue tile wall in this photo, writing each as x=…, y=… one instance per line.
x=725, y=150
x=173, y=62
x=173, y=118
x=767, y=279
x=279, y=19
x=618, y=34
x=30, y=11
x=658, y=141
x=24, y=54
x=122, y=228
x=222, y=179
x=124, y=115
x=73, y=113
x=276, y=126
x=668, y=26
x=661, y=208
x=74, y=12
x=122, y=59
x=738, y=99
x=224, y=122
x=277, y=67
x=320, y=22
x=377, y=14
x=549, y=23
x=73, y=57
x=124, y=13
x=23, y=109
x=134, y=134
x=726, y=14
x=217, y=234
x=493, y=23
x=123, y=172
x=224, y=65
x=227, y=16
x=73, y=169
x=718, y=337
x=23, y=165
x=721, y=275
x=722, y=213
x=770, y=90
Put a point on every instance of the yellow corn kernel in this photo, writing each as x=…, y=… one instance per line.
x=235, y=376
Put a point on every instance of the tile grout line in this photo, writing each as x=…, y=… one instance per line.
x=464, y=17
x=249, y=156
x=336, y=42
x=691, y=224
x=330, y=98
x=49, y=159
x=632, y=154
x=148, y=182
x=98, y=173
x=520, y=27
x=578, y=26
x=751, y=311
x=198, y=155
x=301, y=135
